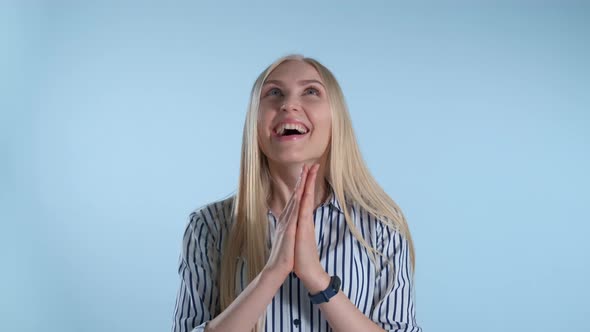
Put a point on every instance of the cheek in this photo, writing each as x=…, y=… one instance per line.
x=264, y=120
x=261, y=133
x=262, y=140
x=323, y=121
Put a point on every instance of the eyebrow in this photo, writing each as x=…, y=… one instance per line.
x=301, y=82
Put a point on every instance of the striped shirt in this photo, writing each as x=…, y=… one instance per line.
x=364, y=283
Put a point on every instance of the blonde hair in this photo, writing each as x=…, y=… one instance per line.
x=346, y=173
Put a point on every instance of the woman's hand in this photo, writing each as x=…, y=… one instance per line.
x=282, y=254
x=245, y=310
x=307, y=264
x=294, y=244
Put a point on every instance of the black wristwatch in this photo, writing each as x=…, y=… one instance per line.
x=328, y=293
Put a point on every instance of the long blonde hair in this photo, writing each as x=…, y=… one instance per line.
x=347, y=174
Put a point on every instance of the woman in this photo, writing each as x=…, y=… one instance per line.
x=295, y=248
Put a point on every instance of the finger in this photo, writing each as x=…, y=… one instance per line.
x=304, y=177
x=309, y=194
x=299, y=193
x=287, y=209
x=293, y=203
x=300, y=180
x=293, y=196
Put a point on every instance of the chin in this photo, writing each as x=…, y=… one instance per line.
x=286, y=160
x=292, y=158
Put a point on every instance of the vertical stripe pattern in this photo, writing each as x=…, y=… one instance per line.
x=381, y=291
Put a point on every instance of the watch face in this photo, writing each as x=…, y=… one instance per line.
x=336, y=283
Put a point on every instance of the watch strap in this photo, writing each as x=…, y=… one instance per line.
x=328, y=293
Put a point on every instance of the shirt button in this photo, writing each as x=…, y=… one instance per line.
x=296, y=321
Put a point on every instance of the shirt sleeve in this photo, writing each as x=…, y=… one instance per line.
x=393, y=304
x=197, y=297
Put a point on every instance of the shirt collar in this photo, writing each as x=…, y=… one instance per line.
x=332, y=200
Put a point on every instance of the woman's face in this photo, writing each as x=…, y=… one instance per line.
x=295, y=121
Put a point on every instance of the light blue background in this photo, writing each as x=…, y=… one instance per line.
x=118, y=119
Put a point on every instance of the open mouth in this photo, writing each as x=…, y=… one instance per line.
x=290, y=129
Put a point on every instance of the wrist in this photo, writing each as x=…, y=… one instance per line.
x=317, y=282
x=269, y=274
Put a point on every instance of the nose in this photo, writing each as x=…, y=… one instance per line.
x=291, y=106
x=291, y=102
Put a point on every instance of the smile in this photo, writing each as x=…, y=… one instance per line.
x=290, y=128
x=289, y=137
x=290, y=131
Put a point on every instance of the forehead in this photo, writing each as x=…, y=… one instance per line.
x=293, y=70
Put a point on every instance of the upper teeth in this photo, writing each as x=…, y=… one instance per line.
x=284, y=126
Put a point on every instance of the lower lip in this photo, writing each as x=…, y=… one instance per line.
x=290, y=137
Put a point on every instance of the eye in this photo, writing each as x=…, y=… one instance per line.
x=274, y=92
x=313, y=91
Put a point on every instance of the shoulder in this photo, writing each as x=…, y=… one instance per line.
x=382, y=229
x=214, y=218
